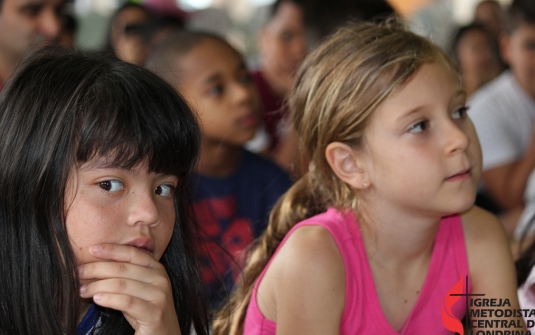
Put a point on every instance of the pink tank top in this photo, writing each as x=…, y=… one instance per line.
x=362, y=311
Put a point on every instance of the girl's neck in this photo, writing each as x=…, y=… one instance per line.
x=218, y=159
x=396, y=238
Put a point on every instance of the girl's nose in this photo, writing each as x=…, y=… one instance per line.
x=143, y=209
x=457, y=139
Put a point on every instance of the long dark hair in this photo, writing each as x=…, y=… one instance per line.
x=60, y=110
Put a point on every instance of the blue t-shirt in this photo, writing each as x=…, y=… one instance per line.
x=88, y=321
x=233, y=211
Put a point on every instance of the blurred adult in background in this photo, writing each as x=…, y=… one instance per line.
x=160, y=26
x=167, y=17
x=281, y=45
x=294, y=27
x=25, y=26
x=473, y=50
x=68, y=32
x=322, y=17
x=490, y=14
x=503, y=113
x=125, y=33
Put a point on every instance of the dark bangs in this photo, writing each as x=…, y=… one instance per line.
x=131, y=118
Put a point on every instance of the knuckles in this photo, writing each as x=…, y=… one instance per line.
x=121, y=268
x=121, y=285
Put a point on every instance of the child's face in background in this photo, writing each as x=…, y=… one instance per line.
x=519, y=51
x=216, y=83
x=282, y=46
x=421, y=150
x=475, y=54
x=113, y=205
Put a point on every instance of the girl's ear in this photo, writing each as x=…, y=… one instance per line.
x=347, y=165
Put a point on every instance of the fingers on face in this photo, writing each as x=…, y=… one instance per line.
x=142, y=294
x=137, y=290
x=123, y=253
x=137, y=310
x=130, y=280
x=155, y=275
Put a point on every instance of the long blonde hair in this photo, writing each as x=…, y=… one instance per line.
x=335, y=92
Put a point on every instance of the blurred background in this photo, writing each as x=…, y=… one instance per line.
x=240, y=20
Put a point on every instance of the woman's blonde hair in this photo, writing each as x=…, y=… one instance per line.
x=335, y=92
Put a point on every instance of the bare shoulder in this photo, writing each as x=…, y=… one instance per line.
x=485, y=237
x=482, y=227
x=307, y=281
x=311, y=250
x=489, y=255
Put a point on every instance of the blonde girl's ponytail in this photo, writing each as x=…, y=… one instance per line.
x=335, y=92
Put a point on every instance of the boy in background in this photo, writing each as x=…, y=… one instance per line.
x=235, y=189
x=503, y=113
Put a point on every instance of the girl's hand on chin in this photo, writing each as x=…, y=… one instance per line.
x=134, y=283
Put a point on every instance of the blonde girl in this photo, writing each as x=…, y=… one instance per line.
x=370, y=240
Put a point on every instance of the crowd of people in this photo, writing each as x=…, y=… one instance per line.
x=360, y=180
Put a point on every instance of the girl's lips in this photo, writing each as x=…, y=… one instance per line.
x=144, y=243
x=462, y=175
x=250, y=120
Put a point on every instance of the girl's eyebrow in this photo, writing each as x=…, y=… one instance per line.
x=409, y=112
x=102, y=163
x=461, y=92
x=166, y=175
x=212, y=78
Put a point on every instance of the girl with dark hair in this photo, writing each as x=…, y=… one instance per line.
x=95, y=221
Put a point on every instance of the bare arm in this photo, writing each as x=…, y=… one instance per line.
x=492, y=270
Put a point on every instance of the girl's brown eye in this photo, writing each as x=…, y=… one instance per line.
x=419, y=127
x=111, y=185
x=165, y=190
x=460, y=113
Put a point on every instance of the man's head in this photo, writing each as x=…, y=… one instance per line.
x=26, y=25
x=518, y=43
